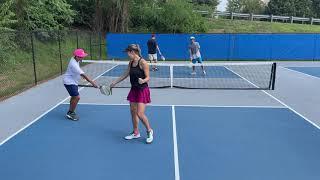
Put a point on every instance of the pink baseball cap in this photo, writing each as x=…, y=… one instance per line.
x=80, y=53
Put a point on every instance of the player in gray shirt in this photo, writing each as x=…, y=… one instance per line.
x=195, y=55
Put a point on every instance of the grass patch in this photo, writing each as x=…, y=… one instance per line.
x=244, y=26
x=17, y=73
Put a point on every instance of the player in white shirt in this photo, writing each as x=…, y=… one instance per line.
x=71, y=80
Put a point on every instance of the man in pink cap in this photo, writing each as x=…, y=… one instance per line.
x=71, y=80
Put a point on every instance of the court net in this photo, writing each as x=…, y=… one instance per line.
x=235, y=75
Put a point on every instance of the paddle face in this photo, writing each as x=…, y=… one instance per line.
x=105, y=90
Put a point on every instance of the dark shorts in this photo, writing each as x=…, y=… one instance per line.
x=72, y=89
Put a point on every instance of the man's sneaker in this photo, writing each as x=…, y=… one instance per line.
x=72, y=116
x=132, y=136
x=193, y=73
x=149, y=137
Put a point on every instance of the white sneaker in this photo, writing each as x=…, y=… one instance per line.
x=132, y=136
x=193, y=73
x=149, y=137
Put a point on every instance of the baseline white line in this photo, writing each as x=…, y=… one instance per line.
x=187, y=105
x=175, y=145
x=300, y=72
x=46, y=112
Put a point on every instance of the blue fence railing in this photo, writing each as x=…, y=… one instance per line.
x=223, y=46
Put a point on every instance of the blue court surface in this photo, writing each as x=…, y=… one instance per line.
x=312, y=71
x=191, y=143
x=179, y=72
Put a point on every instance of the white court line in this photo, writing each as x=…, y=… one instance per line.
x=175, y=145
x=43, y=114
x=187, y=105
x=284, y=104
x=300, y=72
x=7, y=139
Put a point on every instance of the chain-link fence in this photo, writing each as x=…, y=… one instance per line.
x=27, y=58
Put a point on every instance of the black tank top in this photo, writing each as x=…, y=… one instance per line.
x=135, y=73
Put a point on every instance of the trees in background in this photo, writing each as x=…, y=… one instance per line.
x=7, y=23
x=105, y=15
x=137, y=15
x=316, y=8
x=301, y=8
x=246, y=6
x=210, y=3
x=44, y=14
x=169, y=16
x=7, y=16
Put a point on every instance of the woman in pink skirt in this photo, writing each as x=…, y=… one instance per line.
x=139, y=95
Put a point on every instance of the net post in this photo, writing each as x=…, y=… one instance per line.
x=171, y=76
x=273, y=76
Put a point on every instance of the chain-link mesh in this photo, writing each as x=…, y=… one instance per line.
x=27, y=58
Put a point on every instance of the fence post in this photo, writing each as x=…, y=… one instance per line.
x=270, y=47
x=251, y=16
x=291, y=19
x=100, y=50
x=60, y=55
x=231, y=46
x=231, y=14
x=311, y=20
x=77, y=39
x=271, y=18
x=33, y=60
x=315, y=47
x=90, y=48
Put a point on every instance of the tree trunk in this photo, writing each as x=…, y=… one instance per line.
x=111, y=16
x=125, y=16
x=98, y=22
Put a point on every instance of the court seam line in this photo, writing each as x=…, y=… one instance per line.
x=175, y=144
x=296, y=112
x=300, y=72
x=181, y=105
x=46, y=112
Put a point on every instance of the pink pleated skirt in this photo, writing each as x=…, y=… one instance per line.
x=137, y=95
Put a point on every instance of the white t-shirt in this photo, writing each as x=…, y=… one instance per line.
x=72, y=75
x=195, y=50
